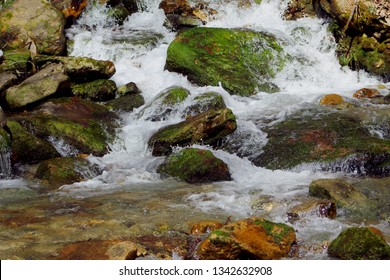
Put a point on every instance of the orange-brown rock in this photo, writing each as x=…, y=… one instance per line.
x=102, y=250
x=205, y=227
x=252, y=238
x=175, y=7
x=366, y=93
x=75, y=8
x=331, y=99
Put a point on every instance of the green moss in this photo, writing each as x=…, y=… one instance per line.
x=16, y=60
x=277, y=230
x=98, y=90
x=5, y=141
x=173, y=95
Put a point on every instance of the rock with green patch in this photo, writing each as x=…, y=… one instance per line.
x=98, y=90
x=126, y=103
x=208, y=128
x=360, y=243
x=57, y=172
x=243, y=61
x=203, y=103
x=49, y=81
x=83, y=125
x=36, y=24
x=195, y=166
x=337, y=141
x=165, y=103
x=7, y=79
x=17, y=61
x=252, y=238
x=80, y=69
x=27, y=148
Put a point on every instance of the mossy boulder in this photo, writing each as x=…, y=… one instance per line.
x=80, y=69
x=360, y=243
x=252, y=238
x=51, y=80
x=7, y=79
x=334, y=140
x=195, y=166
x=34, y=22
x=126, y=103
x=208, y=128
x=27, y=148
x=17, y=61
x=243, y=61
x=61, y=171
x=203, y=103
x=85, y=126
x=98, y=90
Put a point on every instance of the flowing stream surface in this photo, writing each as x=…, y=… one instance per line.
x=130, y=197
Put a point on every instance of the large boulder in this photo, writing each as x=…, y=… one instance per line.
x=208, y=128
x=36, y=24
x=360, y=243
x=49, y=81
x=252, y=238
x=195, y=166
x=243, y=61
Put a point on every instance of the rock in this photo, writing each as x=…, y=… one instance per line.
x=61, y=171
x=337, y=141
x=175, y=6
x=311, y=206
x=360, y=243
x=83, y=125
x=331, y=99
x=126, y=103
x=81, y=69
x=340, y=192
x=34, y=23
x=129, y=88
x=101, y=250
x=17, y=61
x=165, y=103
x=7, y=79
x=366, y=93
x=195, y=166
x=205, y=227
x=252, y=238
x=208, y=128
x=70, y=8
x=240, y=70
x=300, y=9
x=49, y=81
x=98, y=90
x=26, y=148
x=3, y=119
x=203, y=103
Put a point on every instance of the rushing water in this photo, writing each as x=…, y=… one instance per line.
x=138, y=49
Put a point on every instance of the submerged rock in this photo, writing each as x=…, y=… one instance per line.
x=195, y=166
x=203, y=103
x=208, y=128
x=34, y=23
x=57, y=172
x=360, y=243
x=252, y=238
x=243, y=61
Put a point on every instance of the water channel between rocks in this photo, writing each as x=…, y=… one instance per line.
x=131, y=199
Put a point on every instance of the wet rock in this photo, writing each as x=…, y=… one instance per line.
x=126, y=103
x=101, y=250
x=26, y=148
x=98, y=90
x=203, y=103
x=240, y=70
x=17, y=61
x=35, y=24
x=312, y=207
x=360, y=243
x=50, y=81
x=366, y=93
x=195, y=166
x=129, y=88
x=301, y=8
x=66, y=170
x=7, y=79
x=205, y=227
x=81, y=69
x=253, y=238
x=331, y=99
x=85, y=126
x=208, y=128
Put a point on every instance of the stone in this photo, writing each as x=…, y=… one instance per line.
x=203, y=103
x=195, y=166
x=33, y=23
x=7, y=79
x=49, y=81
x=331, y=99
x=97, y=90
x=252, y=238
x=208, y=128
x=366, y=93
x=205, y=227
x=61, y=171
x=360, y=243
x=242, y=61
x=16, y=61
x=126, y=103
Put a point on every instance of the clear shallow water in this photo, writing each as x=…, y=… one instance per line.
x=130, y=190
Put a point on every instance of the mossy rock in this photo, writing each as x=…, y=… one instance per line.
x=26, y=148
x=205, y=102
x=16, y=61
x=243, y=61
x=208, y=128
x=66, y=170
x=126, y=103
x=5, y=141
x=195, y=166
x=252, y=238
x=336, y=140
x=98, y=90
x=360, y=243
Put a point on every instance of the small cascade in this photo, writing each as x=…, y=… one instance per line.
x=5, y=160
